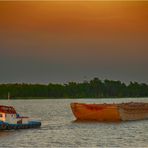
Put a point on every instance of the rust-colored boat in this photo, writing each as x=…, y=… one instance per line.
x=110, y=112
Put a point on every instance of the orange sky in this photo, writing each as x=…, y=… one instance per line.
x=74, y=16
x=75, y=32
x=88, y=21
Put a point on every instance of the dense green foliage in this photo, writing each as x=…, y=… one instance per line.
x=92, y=89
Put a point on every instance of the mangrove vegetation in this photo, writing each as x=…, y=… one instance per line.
x=94, y=88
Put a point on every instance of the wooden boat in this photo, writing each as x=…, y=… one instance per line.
x=10, y=119
x=110, y=112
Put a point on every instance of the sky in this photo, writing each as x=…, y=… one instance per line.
x=62, y=41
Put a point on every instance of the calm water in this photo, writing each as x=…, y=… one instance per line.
x=59, y=130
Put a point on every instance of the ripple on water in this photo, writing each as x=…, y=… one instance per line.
x=59, y=130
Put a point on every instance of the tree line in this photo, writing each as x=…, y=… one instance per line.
x=94, y=88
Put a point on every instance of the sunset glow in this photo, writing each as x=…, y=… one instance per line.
x=97, y=36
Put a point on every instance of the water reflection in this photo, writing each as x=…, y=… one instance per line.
x=60, y=129
x=6, y=133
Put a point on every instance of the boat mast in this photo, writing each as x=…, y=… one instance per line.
x=8, y=96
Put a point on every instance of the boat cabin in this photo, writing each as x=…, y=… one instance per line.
x=8, y=114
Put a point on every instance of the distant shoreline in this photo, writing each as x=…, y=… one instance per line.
x=94, y=88
x=36, y=98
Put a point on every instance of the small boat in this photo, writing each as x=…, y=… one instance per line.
x=110, y=112
x=10, y=119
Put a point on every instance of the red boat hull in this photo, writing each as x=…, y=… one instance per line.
x=110, y=112
x=95, y=112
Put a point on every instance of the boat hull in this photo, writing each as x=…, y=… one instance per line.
x=110, y=112
x=31, y=124
x=95, y=112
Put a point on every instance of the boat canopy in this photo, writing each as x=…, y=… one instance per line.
x=7, y=109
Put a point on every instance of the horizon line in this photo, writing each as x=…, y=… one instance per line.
x=73, y=0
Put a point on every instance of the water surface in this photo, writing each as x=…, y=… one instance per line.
x=59, y=129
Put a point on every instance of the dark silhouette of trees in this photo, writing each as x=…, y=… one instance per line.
x=94, y=88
